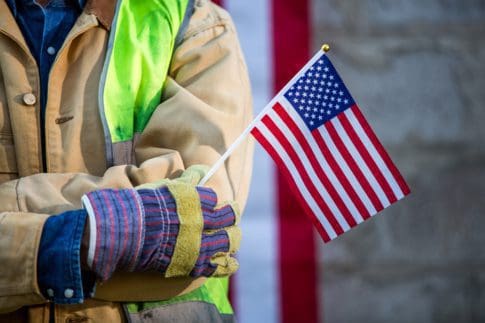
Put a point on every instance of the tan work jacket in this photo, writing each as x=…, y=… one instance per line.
x=205, y=106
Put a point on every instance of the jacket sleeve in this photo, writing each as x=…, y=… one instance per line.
x=206, y=105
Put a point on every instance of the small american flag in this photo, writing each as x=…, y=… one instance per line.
x=332, y=159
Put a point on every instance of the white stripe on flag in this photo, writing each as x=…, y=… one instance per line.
x=344, y=166
x=360, y=160
x=375, y=155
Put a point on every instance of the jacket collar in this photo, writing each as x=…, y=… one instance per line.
x=9, y=26
x=104, y=10
x=13, y=3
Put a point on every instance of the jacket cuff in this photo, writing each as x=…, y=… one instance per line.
x=59, y=263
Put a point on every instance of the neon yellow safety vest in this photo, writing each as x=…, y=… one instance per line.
x=143, y=36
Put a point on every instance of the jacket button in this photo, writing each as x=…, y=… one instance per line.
x=29, y=99
x=51, y=50
x=68, y=293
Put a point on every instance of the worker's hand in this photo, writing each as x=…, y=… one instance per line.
x=177, y=229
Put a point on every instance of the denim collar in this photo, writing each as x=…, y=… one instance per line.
x=102, y=9
x=14, y=3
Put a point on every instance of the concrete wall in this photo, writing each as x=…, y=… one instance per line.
x=417, y=70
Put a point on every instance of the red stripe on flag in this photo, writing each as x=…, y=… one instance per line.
x=297, y=253
x=288, y=120
x=341, y=176
x=369, y=161
x=353, y=166
x=307, y=180
x=382, y=152
x=284, y=168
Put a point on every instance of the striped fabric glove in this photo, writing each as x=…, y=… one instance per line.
x=176, y=229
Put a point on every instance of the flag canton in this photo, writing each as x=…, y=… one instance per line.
x=319, y=94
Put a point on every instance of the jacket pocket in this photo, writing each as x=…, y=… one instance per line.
x=8, y=161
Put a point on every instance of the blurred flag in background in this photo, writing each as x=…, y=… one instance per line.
x=278, y=277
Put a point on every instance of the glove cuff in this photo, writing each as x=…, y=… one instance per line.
x=117, y=229
x=161, y=229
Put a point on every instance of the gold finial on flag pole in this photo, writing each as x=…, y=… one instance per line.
x=325, y=48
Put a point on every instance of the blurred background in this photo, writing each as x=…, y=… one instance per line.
x=417, y=70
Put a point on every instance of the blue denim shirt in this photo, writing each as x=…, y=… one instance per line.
x=59, y=272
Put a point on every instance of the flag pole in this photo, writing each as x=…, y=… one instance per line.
x=325, y=48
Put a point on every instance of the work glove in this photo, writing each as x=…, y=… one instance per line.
x=171, y=226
